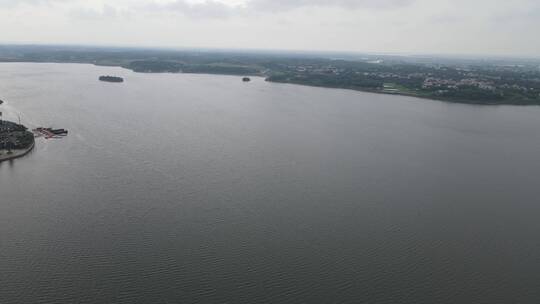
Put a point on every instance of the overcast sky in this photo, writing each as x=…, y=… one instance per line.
x=491, y=27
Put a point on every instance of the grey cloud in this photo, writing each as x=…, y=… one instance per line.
x=207, y=9
x=278, y=5
x=520, y=14
x=14, y=3
x=214, y=9
x=107, y=12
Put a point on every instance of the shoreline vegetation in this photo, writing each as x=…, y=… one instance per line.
x=15, y=140
x=469, y=81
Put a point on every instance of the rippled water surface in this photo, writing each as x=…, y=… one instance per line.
x=205, y=189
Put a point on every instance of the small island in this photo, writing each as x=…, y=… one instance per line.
x=15, y=140
x=111, y=79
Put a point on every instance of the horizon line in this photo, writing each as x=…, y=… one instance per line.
x=470, y=56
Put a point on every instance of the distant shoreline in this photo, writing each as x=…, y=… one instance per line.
x=404, y=94
x=268, y=78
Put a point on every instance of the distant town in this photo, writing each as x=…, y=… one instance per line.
x=494, y=81
x=477, y=84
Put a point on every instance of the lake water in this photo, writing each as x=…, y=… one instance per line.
x=204, y=189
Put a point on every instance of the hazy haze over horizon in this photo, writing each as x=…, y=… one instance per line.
x=502, y=28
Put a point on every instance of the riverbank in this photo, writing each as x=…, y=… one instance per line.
x=17, y=153
x=15, y=138
x=415, y=94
